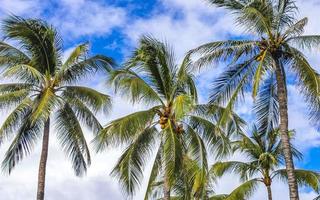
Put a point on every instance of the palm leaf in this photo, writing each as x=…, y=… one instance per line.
x=22, y=144
x=266, y=106
x=172, y=153
x=304, y=178
x=43, y=106
x=244, y=191
x=91, y=98
x=130, y=84
x=125, y=129
x=155, y=171
x=79, y=70
x=72, y=139
x=129, y=168
x=15, y=119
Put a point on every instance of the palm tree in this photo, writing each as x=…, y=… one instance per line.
x=272, y=48
x=44, y=87
x=171, y=127
x=265, y=156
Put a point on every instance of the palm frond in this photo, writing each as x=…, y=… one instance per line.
x=80, y=70
x=155, y=171
x=39, y=38
x=245, y=170
x=15, y=119
x=93, y=99
x=244, y=191
x=78, y=54
x=85, y=115
x=296, y=29
x=309, y=42
x=11, y=87
x=172, y=152
x=7, y=100
x=304, y=178
x=157, y=60
x=186, y=80
x=43, y=105
x=125, y=129
x=129, y=169
x=11, y=56
x=309, y=83
x=266, y=106
x=25, y=73
x=130, y=84
x=22, y=144
x=196, y=148
x=182, y=105
x=214, y=136
x=228, y=4
x=224, y=50
x=72, y=139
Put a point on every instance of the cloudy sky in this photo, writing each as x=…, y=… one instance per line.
x=113, y=27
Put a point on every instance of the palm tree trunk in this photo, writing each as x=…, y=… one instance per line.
x=269, y=192
x=43, y=161
x=166, y=188
x=285, y=140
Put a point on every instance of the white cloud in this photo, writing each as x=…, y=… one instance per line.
x=184, y=24
x=20, y=7
x=87, y=18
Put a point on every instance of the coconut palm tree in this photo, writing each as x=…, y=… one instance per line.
x=273, y=47
x=172, y=125
x=265, y=157
x=44, y=90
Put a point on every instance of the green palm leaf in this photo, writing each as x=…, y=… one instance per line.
x=91, y=98
x=304, y=178
x=129, y=168
x=72, y=139
x=15, y=119
x=22, y=144
x=125, y=129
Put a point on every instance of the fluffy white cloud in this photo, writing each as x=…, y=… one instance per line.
x=87, y=18
x=72, y=18
x=20, y=7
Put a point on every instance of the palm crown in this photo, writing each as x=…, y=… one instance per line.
x=43, y=84
x=276, y=35
x=265, y=156
x=173, y=126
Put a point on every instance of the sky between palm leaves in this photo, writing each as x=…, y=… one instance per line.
x=113, y=27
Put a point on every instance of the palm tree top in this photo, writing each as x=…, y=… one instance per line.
x=276, y=35
x=153, y=68
x=264, y=157
x=44, y=86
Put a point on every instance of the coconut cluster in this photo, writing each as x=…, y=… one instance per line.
x=165, y=115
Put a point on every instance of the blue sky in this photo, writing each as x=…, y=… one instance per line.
x=113, y=27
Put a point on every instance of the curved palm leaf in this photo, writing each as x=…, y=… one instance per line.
x=129, y=168
x=72, y=139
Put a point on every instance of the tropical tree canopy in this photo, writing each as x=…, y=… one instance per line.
x=265, y=158
x=173, y=127
x=42, y=85
x=273, y=32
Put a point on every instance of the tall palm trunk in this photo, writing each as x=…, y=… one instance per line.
x=269, y=192
x=166, y=188
x=43, y=161
x=285, y=140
